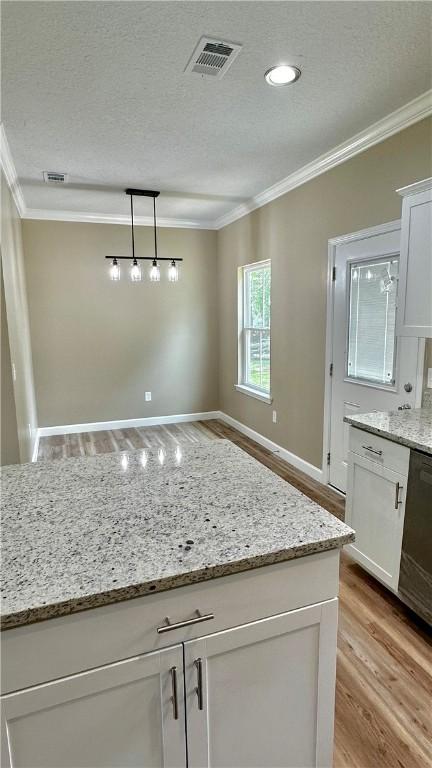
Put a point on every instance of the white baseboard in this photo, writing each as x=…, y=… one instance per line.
x=291, y=458
x=148, y=421
x=35, y=445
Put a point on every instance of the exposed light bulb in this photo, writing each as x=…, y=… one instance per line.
x=173, y=273
x=114, y=270
x=155, y=272
x=355, y=274
x=368, y=275
x=135, y=272
x=125, y=462
x=178, y=454
x=143, y=459
x=161, y=456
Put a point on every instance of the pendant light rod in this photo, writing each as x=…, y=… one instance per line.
x=154, y=228
x=133, y=236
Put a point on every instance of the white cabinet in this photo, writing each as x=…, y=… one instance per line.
x=265, y=682
x=415, y=273
x=123, y=715
x=375, y=506
x=262, y=695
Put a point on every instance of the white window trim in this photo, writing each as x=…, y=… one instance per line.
x=247, y=389
x=256, y=393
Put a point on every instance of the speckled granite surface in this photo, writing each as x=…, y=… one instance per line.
x=84, y=532
x=412, y=427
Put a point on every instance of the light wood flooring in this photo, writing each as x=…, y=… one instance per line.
x=384, y=670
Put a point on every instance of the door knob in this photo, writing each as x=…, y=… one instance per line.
x=408, y=387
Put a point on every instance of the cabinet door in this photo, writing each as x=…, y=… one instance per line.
x=375, y=508
x=262, y=694
x=119, y=715
x=415, y=278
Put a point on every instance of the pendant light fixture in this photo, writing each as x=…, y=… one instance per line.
x=135, y=271
x=173, y=273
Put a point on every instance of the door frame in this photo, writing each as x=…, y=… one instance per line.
x=362, y=234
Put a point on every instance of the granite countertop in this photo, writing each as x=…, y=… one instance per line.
x=85, y=532
x=411, y=427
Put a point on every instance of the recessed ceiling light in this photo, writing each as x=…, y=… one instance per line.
x=284, y=74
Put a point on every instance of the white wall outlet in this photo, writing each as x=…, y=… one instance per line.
x=274, y=416
x=147, y=397
x=429, y=378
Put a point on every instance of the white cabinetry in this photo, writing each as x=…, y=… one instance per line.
x=119, y=715
x=415, y=273
x=375, y=505
x=260, y=693
x=263, y=694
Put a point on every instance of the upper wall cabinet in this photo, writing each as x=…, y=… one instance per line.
x=415, y=273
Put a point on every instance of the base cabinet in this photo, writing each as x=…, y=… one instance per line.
x=375, y=505
x=263, y=695
x=119, y=715
x=257, y=695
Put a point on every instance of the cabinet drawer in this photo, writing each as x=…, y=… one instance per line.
x=59, y=647
x=379, y=450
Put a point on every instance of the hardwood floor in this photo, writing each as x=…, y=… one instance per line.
x=384, y=668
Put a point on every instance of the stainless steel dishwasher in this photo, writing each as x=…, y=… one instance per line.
x=415, y=578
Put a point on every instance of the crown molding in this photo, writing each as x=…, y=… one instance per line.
x=402, y=118
x=411, y=113
x=9, y=171
x=413, y=189
x=111, y=218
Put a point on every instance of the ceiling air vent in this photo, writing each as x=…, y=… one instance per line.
x=53, y=177
x=212, y=57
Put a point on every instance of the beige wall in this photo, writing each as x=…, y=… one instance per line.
x=98, y=345
x=9, y=447
x=17, y=321
x=293, y=231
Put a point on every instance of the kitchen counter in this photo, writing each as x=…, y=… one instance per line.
x=85, y=532
x=412, y=428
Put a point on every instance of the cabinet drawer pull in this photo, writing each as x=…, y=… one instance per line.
x=199, y=688
x=399, y=487
x=372, y=450
x=174, y=698
x=198, y=619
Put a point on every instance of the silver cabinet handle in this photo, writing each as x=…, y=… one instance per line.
x=199, y=688
x=199, y=618
x=174, y=698
x=372, y=450
x=399, y=487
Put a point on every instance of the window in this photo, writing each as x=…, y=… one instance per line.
x=254, y=328
x=372, y=320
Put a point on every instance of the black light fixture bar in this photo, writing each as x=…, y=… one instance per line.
x=142, y=192
x=145, y=258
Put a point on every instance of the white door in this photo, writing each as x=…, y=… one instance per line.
x=262, y=694
x=376, y=511
x=373, y=370
x=124, y=714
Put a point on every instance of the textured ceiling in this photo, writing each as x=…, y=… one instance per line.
x=97, y=89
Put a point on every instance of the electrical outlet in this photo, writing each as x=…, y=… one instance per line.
x=274, y=417
x=429, y=378
x=147, y=397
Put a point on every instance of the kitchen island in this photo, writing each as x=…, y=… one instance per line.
x=217, y=660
